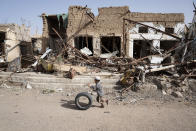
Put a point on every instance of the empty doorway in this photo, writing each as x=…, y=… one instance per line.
x=141, y=48
x=166, y=45
x=110, y=44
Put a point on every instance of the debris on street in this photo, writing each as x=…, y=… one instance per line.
x=143, y=48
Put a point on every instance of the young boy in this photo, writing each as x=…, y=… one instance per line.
x=99, y=89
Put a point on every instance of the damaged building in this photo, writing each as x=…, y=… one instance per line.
x=15, y=46
x=113, y=30
x=50, y=39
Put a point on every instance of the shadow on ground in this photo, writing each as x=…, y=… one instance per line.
x=70, y=104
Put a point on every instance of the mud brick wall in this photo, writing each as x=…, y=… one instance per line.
x=167, y=19
x=77, y=18
x=109, y=22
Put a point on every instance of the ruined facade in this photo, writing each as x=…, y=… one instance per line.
x=13, y=39
x=110, y=31
x=170, y=23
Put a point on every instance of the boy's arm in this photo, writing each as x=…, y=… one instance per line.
x=92, y=87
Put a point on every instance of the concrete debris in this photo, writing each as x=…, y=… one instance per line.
x=176, y=75
x=108, y=55
x=86, y=51
x=155, y=60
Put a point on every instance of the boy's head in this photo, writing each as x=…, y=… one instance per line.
x=97, y=79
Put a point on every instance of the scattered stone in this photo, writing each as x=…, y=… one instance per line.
x=169, y=91
x=68, y=94
x=164, y=93
x=176, y=75
x=133, y=101
x=158, y=83
x=59, y=90
x=168, y=85
x=184, y=88
x=48, y=91
x=162, y=83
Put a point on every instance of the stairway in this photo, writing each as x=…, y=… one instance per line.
x=38, y=80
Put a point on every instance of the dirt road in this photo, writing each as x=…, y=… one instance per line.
x=30, y=110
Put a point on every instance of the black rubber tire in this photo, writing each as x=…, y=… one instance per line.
x=87, y=95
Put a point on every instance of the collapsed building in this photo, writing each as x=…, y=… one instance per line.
x=114, y=30
x=130, y=44
x=15, y=46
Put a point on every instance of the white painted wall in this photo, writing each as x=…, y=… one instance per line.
x=152, y=35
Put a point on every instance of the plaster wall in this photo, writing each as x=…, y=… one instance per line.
x=156, y=37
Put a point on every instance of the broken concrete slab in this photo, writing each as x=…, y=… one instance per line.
x=86, y=51
x=177, y=94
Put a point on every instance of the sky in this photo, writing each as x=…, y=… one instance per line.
x=28, y=11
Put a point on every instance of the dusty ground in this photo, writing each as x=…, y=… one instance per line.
x=23, y=109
